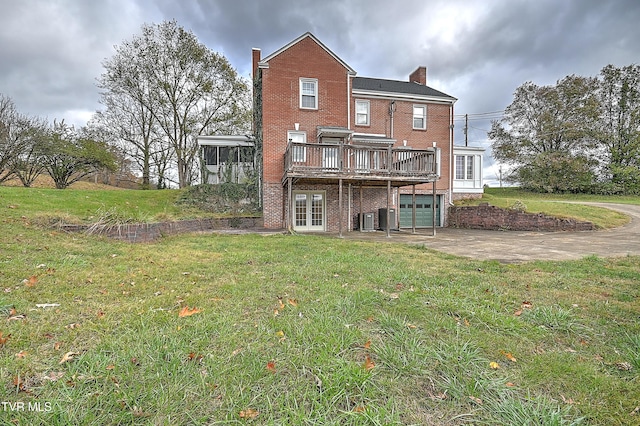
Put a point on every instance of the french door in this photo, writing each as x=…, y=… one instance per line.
x=309, y=211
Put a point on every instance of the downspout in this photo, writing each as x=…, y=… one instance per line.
x=348, y=101
x=392, y=109
x=451, y=155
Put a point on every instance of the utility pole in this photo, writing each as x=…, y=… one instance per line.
x=500, y=175
x=466, y=130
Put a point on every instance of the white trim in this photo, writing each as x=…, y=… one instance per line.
x=402, y=96
x=373, y=135
x=225, y=140
x=315, y=92
x=309, y=210
x=303, y=157
x=368, y=113
x=423, y=116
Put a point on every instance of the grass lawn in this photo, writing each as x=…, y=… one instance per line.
x=559, y=205
x=298, y=329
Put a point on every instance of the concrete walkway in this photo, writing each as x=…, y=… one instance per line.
x=515, y=247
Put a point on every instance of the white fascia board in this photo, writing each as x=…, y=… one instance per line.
x=402, y=96
x=462, y=150
x=371, y=135
x=226, y=140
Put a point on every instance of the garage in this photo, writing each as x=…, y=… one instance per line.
x=424, y=212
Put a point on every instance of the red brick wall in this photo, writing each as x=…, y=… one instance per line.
x=373, y=199
x=495, y=218
x=281, y=99
x=273, y=208
x=281, y=109
x=438, y=120
x=419, y=76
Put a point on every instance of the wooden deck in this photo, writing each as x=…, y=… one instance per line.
x=370, y=165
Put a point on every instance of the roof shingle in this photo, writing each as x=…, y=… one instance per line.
x=395, y=86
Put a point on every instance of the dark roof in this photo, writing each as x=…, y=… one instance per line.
x=395, y=86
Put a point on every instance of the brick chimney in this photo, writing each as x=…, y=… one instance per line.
x=419, y=76
x=255, y=57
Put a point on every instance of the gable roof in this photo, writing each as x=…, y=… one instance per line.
x=403, y=88
x=264, y=63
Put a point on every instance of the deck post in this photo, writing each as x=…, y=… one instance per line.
x=340, y=208
x=433, y=211
x=290, y=218
x=388, y=208
x=361, y=216
x=413, y=209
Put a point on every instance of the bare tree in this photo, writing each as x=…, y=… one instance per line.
x=173, y=88
x=27, y=164
x=12, y=127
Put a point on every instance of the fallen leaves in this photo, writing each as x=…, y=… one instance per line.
x=368, y=363
x=20, y=384
x=525, y=305
x=195, y=357
x=68, y=357
x=623, y=366
x=18, y=317
x=508, y=356
x=4, y=339
x=494, y=365
x=31, y=281
x=187, y=311
x=271, y=366
x=54, y=376
x=249, y=413
x=475, y=400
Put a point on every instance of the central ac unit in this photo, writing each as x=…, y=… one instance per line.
x=367, y=222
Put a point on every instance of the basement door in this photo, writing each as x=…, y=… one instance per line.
x=424, y=212
x=309, y=211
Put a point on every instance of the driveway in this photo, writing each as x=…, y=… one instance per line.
x=515, y=247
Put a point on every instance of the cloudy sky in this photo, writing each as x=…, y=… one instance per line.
x=51, y=51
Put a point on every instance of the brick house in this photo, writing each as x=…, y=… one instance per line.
x=339, y=152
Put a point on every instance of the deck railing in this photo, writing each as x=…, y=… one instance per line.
x=358, y=161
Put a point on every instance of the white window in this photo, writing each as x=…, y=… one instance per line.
x=420, y=117
x=362, y=113
x=464, y=167
x=298, y=153
x=308, y=93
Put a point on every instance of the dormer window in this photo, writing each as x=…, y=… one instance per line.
x=308, y=93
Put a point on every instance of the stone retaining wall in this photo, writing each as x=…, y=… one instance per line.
x=148, y=232
x=496, y=218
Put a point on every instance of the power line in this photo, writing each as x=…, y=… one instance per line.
x=481, y=114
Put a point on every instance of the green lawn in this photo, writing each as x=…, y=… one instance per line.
x=301, y=329
x=559, y=205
